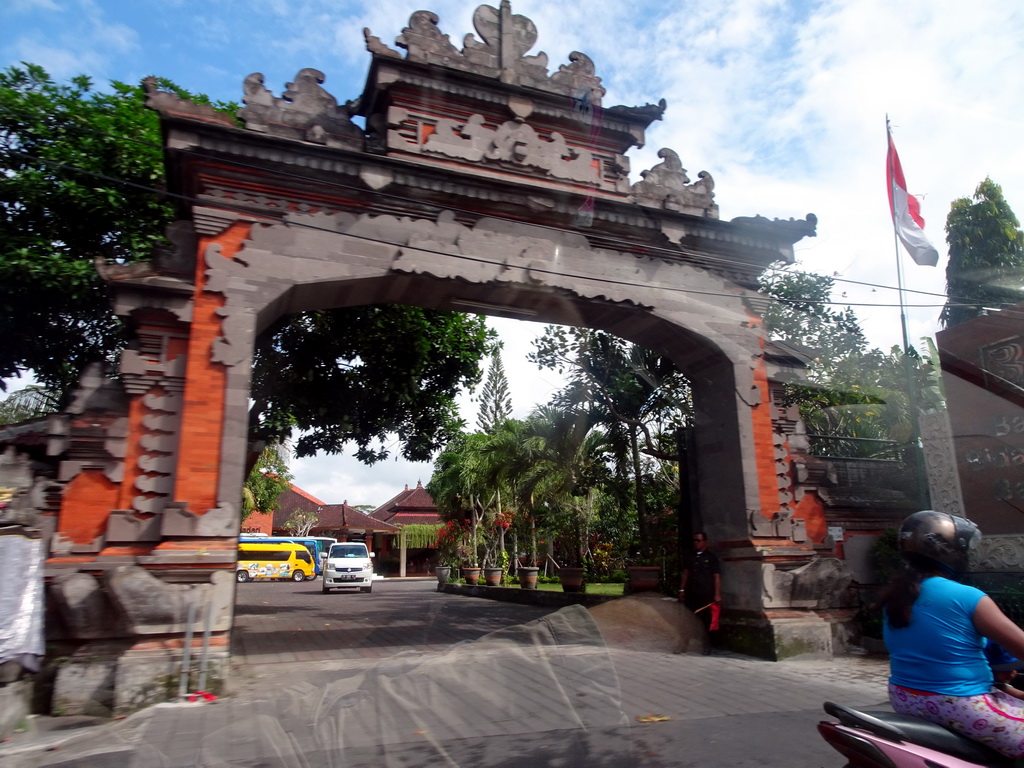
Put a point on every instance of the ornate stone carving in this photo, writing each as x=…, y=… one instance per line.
x=999, y=553
x=306, y=111
x=501, y=52
x=667, y=186
x=940, y=461
x=514, y=143
x=425, y=42
x=787, y=230
x=1005, y=360
x=171, y=104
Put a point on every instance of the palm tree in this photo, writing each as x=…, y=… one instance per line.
x=570, y=466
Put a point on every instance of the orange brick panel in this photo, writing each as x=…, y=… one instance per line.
x=202, y=421
x=85, y=506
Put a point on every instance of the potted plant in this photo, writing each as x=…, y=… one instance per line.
x=573, y=578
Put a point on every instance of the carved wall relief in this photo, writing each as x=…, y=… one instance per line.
x=513, y=143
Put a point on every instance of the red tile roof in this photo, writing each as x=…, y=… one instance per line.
x=340, y=516
x=411, y=506
x=330, y=517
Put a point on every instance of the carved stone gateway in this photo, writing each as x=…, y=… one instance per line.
x=481, y=182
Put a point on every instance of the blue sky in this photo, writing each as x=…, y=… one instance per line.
x=784, y=103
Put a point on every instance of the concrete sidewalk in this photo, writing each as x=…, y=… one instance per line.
x=476, y=703
x=719, y=710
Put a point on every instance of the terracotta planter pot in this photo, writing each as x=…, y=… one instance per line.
x=528, y=577
x=571, y=578
x=644, y=578
x=471, y=575
x=444, y=573
x=492, y=577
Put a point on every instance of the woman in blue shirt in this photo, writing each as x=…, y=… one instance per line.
x=935, y=630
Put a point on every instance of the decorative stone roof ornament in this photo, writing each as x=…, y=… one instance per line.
x=305, y=111
x=667, y=186
x=501, y=52
x=788, y=230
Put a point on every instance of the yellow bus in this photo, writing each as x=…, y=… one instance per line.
x=277, y=560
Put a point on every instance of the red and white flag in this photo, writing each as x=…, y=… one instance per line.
x=906, y=211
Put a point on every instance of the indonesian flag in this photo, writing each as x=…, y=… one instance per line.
x=906, y=211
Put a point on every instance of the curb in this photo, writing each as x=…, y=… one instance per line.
x=521, y=596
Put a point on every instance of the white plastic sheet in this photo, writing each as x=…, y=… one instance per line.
x=21, y=601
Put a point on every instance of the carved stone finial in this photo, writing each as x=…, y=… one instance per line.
x=579, y=78
x=374, y=45
x=167, y=103
x=425, y=41
x=667, y=186
x=305, y=111
x=787, y=230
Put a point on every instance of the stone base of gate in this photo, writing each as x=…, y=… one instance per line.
x=117, y=677
x=778, y=635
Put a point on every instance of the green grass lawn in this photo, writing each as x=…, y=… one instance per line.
x=592, y=589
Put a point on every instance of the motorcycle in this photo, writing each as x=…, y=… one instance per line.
x=888, y=740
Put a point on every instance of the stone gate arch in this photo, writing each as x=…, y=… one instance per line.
x=477, y=182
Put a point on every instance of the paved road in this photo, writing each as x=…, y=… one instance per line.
x=406, y=676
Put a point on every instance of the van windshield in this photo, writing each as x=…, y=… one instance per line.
x=348, y=550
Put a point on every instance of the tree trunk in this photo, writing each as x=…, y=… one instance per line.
x=641, y=504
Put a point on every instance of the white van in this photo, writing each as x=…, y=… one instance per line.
x=350, y=565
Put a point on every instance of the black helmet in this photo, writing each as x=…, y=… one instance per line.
x=940, y=538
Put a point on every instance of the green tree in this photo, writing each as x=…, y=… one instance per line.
x=495, y=400
x=803, y=316
x=360, y=375
x=852, y=393
x=268, y=479
x=28, y=403
x=986, y=255
x=637, y=394
x=81, y=174
x=301, y=521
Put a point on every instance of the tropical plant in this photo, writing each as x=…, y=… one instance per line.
x=267, y=480
x=638, y=395
x=301, y=521
x=29, y=403
x=986, y=255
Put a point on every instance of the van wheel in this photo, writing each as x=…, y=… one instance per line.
x=311, y=577
x=241, y=576
x=324, y=590
x=298, y=576
x=366, y=589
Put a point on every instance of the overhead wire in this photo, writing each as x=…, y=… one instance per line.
x=593, y=236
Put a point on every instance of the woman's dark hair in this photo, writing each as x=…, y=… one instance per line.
x=898, y=598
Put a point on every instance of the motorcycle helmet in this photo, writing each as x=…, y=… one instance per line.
x=929, y=539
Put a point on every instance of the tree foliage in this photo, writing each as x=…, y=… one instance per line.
x=359, y=375
x=637, y=394
x=986, y=255
x=301, y=521
x=267, y=480
x=81, y=179
x=28, y=403
x=495, y=400
x=80, y=174
x=852, y=393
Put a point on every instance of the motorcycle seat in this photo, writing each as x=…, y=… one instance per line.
x=894, y=727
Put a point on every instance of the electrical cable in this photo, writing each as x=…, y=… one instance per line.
x=596, y=237
x=467, y=257
x=684, y=252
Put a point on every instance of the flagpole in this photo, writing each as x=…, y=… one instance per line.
x=920, y=473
